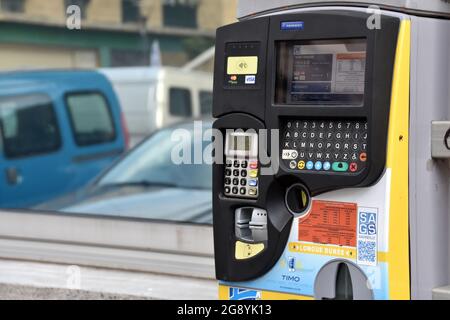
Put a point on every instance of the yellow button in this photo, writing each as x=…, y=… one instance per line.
x=252, y=191
x=253, y=173
x=242, y=65
x=247, y=250
x=301, y=165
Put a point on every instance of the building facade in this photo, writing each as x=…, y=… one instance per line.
x=35, y=33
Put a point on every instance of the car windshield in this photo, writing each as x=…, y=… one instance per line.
x=152, y=163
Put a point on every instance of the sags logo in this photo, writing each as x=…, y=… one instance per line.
x=244, y=294
x=367, y=223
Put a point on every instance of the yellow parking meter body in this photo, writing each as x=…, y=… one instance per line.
x=325, y=170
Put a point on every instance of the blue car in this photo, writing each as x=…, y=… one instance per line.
x=58, y=130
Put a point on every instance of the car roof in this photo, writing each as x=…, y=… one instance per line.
x=148, y=73
x=32, y=79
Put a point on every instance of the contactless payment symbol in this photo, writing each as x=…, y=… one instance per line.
x=242, y=65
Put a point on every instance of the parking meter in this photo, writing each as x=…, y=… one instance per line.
x=314, y=196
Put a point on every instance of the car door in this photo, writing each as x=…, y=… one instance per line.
x=30, y=149
x=95, y=138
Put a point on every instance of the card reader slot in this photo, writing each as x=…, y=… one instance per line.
x=251, y=224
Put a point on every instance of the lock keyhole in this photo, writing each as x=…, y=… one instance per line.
x=446, y=139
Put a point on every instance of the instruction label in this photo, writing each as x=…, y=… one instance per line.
x=330, y=222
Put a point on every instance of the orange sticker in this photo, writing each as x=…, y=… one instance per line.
x=351, y=56
x=329, y=222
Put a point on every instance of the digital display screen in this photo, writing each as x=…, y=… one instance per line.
x=241, y=143
x=321, y=72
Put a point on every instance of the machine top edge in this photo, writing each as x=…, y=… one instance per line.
x=434, y=8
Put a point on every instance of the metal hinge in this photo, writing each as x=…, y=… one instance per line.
x=440, y=139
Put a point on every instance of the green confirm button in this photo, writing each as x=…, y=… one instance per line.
x=340, y=166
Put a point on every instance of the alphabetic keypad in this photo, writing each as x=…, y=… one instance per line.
x=325, y=146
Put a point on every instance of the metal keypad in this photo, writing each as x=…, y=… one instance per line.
x=241, y=178
x=325, y=146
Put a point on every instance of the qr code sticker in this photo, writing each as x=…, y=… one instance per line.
x=367, y=252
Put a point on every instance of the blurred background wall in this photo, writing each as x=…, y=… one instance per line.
x=115, y=33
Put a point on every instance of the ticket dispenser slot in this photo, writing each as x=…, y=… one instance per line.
x=325, y=89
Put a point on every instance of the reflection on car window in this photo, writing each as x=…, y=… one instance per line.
x=91, y=118
x=180, y=102
x=29, y=126
x=151, y=164
x=205, y=103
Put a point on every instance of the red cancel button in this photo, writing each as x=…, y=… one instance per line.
x=353, y=167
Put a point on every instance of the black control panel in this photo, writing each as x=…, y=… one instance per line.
x=325, y=89
x=332, y=147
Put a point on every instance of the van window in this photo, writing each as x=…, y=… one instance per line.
x=28, y=125
x=180, y=102
x=91, y=118
x=205, y=98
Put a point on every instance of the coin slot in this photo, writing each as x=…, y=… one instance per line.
x=297, y=199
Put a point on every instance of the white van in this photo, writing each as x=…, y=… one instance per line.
x=154, y=97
